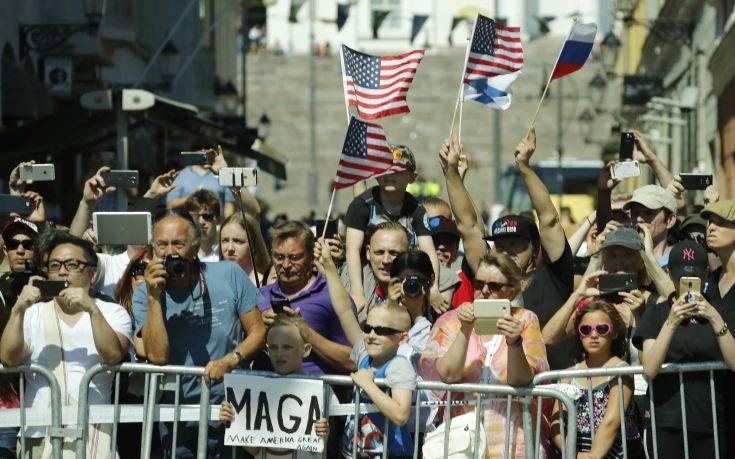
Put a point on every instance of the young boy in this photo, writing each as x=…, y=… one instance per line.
x=288, y=345
x=375, y=353
x=389, y=201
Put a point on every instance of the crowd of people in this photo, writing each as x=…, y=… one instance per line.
x=391, y=295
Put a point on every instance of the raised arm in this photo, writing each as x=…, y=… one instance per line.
x=13, y=348
x=661, y=280
x=654, y=351
x=559, y=327
x=645, y=155
x=451, y=365
x=355, y=239
x=468, y=222
x=551, y=232
x=605, y=185
x=94, y=190
x=155, y=335
x=576, y=240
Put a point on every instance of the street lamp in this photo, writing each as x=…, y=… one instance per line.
x=609, y=47
x=43, y=38
x=598, y=83
x=264, y=126
x=169, y=61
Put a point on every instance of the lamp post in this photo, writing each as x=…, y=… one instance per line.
x=609, y=47
x=264, y=126
x=169, y=61
x=46, y=37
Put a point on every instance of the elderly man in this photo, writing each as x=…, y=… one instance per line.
x=193, y=313
x=68, y=334
x=298, y=289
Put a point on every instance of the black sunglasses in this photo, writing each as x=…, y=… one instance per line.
x=13, y=244
x=493, y=286
x=208, y=216
x=380, y=331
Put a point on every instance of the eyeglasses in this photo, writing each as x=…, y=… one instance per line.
x=293, y=258
x=71, y=265
x=208, y=216
x=602, y=329
x=493, y=286
x=139, y=268
x=13, y=244
x=380, y=331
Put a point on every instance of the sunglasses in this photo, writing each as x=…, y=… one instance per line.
x=436, y=222
x=602, y=329
x=13, y=244
x=493, y=286
x=380, y=331
x=208, y=216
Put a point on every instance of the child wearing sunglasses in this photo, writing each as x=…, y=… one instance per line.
x=601, y=343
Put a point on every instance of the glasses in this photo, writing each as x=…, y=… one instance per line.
x=71, y=265
x=208, y=216
x=493, y=286
x=13, y=244
x=602, y=329
x=380, y=331
x=139, y=268
x=293, y=258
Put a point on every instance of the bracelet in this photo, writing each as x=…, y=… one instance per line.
x=722, y=331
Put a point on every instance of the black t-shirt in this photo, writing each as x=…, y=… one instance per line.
x=548, y=288
x=366, y=211
x=692, y=342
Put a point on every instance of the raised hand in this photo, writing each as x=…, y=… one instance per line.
x=162, y=185
x=642, y=153
x=525, y=148
x=16, y=185
x=450, y=154
x=95, y=188
x=38, y=215
x=676, y=187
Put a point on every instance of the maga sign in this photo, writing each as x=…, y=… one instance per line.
x=274, y=412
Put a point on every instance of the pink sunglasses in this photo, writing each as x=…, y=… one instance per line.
x=602, y=329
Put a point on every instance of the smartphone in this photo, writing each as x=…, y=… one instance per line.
x=691, y=286
x=14, y=204
x=627, y=144
x=332, y=228
x=238, y=176
x=121, y=178
x=194, y=158
x=278, y=305
x=122, y=228
x=625, y=169
x=695, y=181
x=612, y=284
x=487, y=313
x=38, y=172
x=50, y=288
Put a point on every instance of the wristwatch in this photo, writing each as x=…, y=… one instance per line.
x=722, y=331
x=239, y=357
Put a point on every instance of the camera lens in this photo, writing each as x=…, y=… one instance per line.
x=412, y=286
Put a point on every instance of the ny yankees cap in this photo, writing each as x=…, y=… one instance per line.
x=688, y=259
x=513, y=225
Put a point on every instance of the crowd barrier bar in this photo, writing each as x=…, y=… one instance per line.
x=55, y=430
x=619, y=372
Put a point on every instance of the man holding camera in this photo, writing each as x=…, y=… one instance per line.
x=299, y=290
x=192, y=313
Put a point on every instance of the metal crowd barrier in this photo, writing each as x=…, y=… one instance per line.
x=10, y=415
x=619, y=372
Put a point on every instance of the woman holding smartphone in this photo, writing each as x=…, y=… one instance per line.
x=684, y=329
x=457, y=353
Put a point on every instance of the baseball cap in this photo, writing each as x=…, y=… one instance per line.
x=623, y=237
x=513, y=225
x=723, y=209
x=688, y=259
x=654, y=197
x=402, y=155
x=693, y=220
x=19, y=224
x=443, y=225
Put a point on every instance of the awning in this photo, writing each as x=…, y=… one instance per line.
x=74, y=128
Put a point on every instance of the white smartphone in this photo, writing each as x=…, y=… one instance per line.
x=238, y=176
x=38, y=172
x=122, y=228
x=487, y=313
x=625, y=169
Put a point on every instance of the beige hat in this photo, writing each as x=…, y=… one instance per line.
x=723, y=209
x=654, y=197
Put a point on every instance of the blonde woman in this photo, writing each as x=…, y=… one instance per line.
x=235, y=246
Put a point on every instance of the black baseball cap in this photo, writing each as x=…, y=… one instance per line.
x=688, y=259
x=513, y=225
x=443, y=225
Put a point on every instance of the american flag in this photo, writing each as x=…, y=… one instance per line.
x=495, y=50
x=365, y=154
x=378, y=85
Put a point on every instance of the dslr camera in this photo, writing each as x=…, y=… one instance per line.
x=177, y=267
x=16, y=280
x=412, y=285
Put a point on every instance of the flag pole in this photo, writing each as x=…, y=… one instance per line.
x=329, y=212
x=344, y=90
x=548, y=82
x=460, y=93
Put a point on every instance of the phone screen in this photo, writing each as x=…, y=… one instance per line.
x=332, y=226
x=278, y=305
x=627, y=143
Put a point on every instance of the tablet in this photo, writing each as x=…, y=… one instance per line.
x=122, y=228
x=487, y=313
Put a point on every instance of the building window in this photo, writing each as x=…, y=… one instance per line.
x=393, y=21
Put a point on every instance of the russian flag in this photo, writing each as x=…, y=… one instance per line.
x=576, y=50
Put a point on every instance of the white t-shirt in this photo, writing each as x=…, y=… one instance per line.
x=111, y=269
x=79, y=354
x=212, y=256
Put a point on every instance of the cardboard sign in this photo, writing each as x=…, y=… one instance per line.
x=274, y=412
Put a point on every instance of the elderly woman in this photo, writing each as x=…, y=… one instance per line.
x=456, y=353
